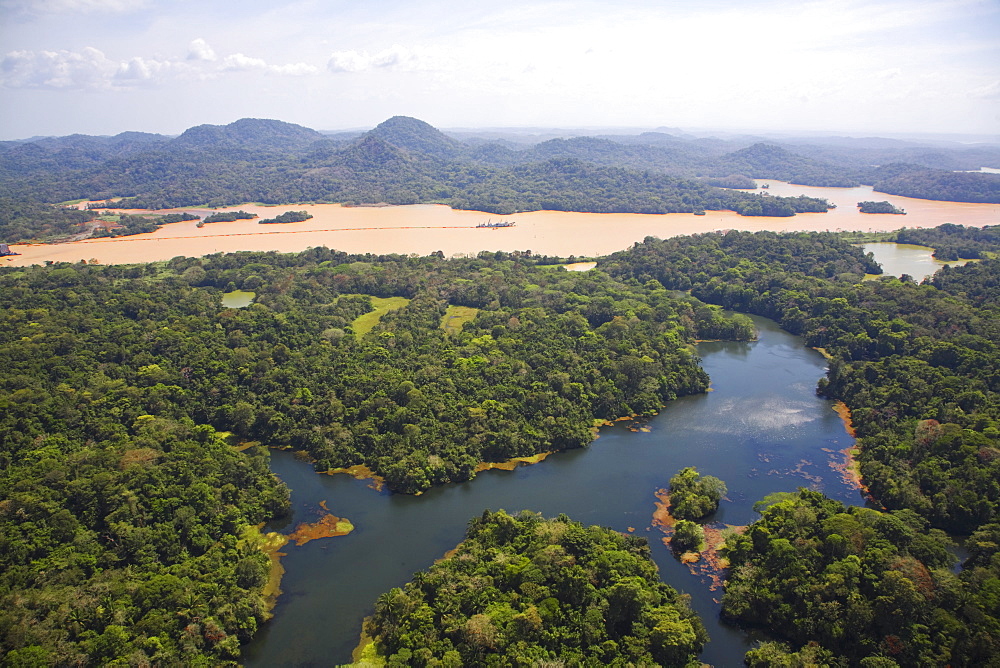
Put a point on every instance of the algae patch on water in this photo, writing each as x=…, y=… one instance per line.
x=366, y=653
x=238, y=298
x=270, y=544
x=360, y=472
x=512, y=463
x=708, y=563
x=327, y=526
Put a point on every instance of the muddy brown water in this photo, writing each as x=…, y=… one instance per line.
x=426, y=228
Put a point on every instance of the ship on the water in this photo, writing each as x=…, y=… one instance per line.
x=489, y=224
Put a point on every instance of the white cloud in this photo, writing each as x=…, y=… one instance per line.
x=242, y=63
x=239, y=62
x=348, y=61
x=73, y=6
x=294, y=69
x=396, y=57
x=200, y=50
x=988, y=92
x=88, y=68
x=141, y=69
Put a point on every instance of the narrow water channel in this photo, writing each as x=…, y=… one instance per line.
x=761, y=429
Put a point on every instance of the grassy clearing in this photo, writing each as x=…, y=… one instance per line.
x=381, y=305
x=456, y=317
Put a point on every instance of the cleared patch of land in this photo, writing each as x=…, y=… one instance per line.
x=380, y=305
x=456, y=317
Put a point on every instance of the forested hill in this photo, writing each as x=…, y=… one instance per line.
x=249, y=133
x=769, y=161
x=404, y=160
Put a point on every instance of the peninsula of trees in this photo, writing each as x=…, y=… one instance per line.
x=522, y=590
x=952, y=242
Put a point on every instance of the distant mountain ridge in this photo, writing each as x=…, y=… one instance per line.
x=249, y=133
x=769, y=161
x=417, y=137
x=406, y=160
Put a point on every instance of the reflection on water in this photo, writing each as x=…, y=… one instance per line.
x=761, y=430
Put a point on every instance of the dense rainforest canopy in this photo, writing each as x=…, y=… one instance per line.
x=852, y=586
x=522, y=591
x=117, y=380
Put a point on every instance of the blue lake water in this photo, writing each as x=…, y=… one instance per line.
x=761, y=429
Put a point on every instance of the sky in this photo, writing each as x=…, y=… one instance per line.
x=852, y=67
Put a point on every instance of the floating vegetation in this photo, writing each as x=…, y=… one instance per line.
x=360, y=472
x=511, y=464
x=708, y=564
x=328, y=526
x=845, y=414
x=270, y=544
x=238, y=298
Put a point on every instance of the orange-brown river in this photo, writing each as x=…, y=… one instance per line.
x=426, y=228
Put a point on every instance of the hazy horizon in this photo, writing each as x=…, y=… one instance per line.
x=539, y=133
x=843, y=67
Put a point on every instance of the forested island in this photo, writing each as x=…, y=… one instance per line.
x=228, y=216
x=125, y=387
x=879, y=207
x=123, y=225
x=287, y=217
